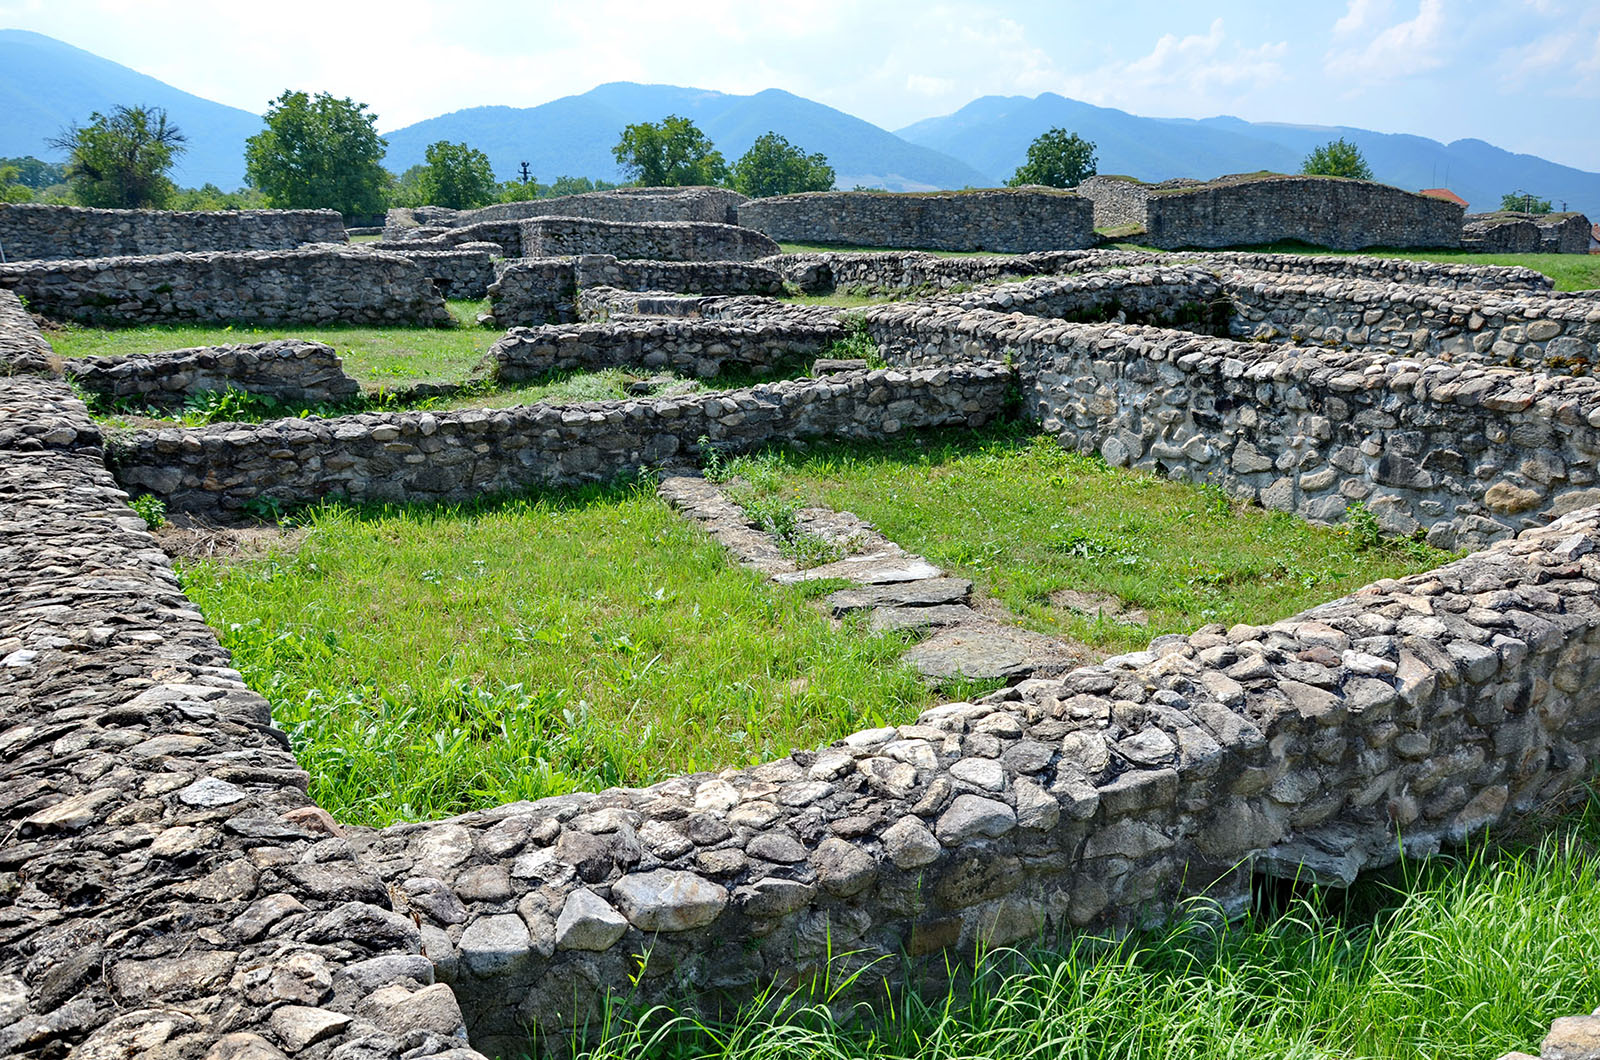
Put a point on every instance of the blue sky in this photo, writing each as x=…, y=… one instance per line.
x=1522, y=74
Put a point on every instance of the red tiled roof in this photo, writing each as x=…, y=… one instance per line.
x=1443, y=193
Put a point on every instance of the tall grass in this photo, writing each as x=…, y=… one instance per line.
x=1456, y=959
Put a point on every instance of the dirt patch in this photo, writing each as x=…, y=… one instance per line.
x=194, y=542
x=1099, y=605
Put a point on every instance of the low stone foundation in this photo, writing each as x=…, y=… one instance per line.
x=288, y=370
x=697, y=348
x=543, y=290
x=460, y=456
x=1467, y=454
x=36, y=231
x=312, y=285
x=463, y=272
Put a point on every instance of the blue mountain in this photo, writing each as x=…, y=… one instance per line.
x=992, y=134
x=574, y=135
x=47, y=86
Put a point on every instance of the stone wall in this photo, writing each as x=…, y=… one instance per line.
x=35, y=231
x=1186, y=296
x=466, y=271
x=505, y=234
x=717, y=205
x=1555, y=332
x=1499, y=234
x=1324, y=211
x=543, y=290
x=460, y=456
x=695, y=348
x=1563, y=233
x=22, y=349
x=547, y=237
x=169, y=889
x=289, y=370
x=1416, y=713
x=312, y=285
x=901, y=272
x=1119, y=202
x=1467, y=454
x=1382, y=270
x=1006, y=219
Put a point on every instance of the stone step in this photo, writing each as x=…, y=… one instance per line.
x=929, y=592
x=938, y=616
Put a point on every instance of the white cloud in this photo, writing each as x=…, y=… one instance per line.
x=1402, y=50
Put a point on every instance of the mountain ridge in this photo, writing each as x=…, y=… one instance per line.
x=47, y=85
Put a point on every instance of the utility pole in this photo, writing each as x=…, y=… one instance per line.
x=524, y=172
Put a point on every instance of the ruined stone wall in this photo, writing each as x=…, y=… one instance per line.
x=288, y=370
x=1324, y=211
x=895, y=272
x=169, y=889
x=694, y=348
x=1467, y=454
x=460, y=456
x=22, y=349
x=466, y=271
x=1557, y=333
x=507, y=235
x=1416, y=713
x=1381, y=270
x=547, y=237
x=543, y=290
x=716, y=205
x=1563, y=233
x=1186, y=296
x=35, y=231
x=1006, y=219
x=1119, y=202
x=1492, y=234
x=312, y=285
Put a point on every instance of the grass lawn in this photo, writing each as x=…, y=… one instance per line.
x=1024, y=518
x=1470, y=957
x=428, y=661
x=387, y=357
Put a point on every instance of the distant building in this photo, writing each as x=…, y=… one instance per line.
x=1444, y=193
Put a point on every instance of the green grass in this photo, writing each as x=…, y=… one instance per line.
x=1469, y=957
x=430, y=661
x=388, y=357
x=1571, y=272
x=1023, y=518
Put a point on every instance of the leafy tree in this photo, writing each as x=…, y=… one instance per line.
x=36, y=173
x=121, y=159
x=1337, y=158
x=773, y=166
x=11, y=187
x=575, y=186
x=1057, y=159
x=318, y=152
x=211, y=197
x=670, y=153
x=457, y=176
x=1522, y=202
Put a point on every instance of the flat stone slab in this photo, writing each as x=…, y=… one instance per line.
x=928, y=592
x=886, y=619
x=986, y=652
x=873, y=568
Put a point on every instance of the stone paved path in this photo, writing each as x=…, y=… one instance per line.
x=899, y=590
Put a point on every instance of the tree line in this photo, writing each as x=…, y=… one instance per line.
x=323, y=152
x=319, y=151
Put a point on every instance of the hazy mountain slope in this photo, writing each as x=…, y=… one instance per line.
x=46, y=85
x=574, y=135
x=993, y=134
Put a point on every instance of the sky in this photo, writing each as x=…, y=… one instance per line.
x=1522, y=74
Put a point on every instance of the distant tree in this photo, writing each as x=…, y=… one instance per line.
x=670, y=153
x=11, y=187
x=121, y=159
x=318, y=152
x=36, y=173
x=1057, y=159
x=457, y=176
x=1337, y=158
x=575, y=186
x=1522, y=202
x=211, y=197
x=773, y=166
